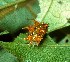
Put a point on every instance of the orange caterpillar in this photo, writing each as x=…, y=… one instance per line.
x=36, y=32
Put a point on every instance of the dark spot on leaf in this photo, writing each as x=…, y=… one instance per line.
x=60, y=2
x=66, y=40
x=1, y=47
x=68, y=20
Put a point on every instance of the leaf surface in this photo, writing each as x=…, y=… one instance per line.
x=55, y=47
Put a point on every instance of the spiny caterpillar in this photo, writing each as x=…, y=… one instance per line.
x=36, y=32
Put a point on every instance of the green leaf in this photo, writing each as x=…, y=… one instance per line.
x=54, y=12
x=7, y=57
x=47, y=51
x=14, y=17
x=6, y=3
x=4, y=32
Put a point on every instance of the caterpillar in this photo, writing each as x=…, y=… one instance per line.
x=36, y=32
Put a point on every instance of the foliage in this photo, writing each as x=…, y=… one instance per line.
x=17, y=14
